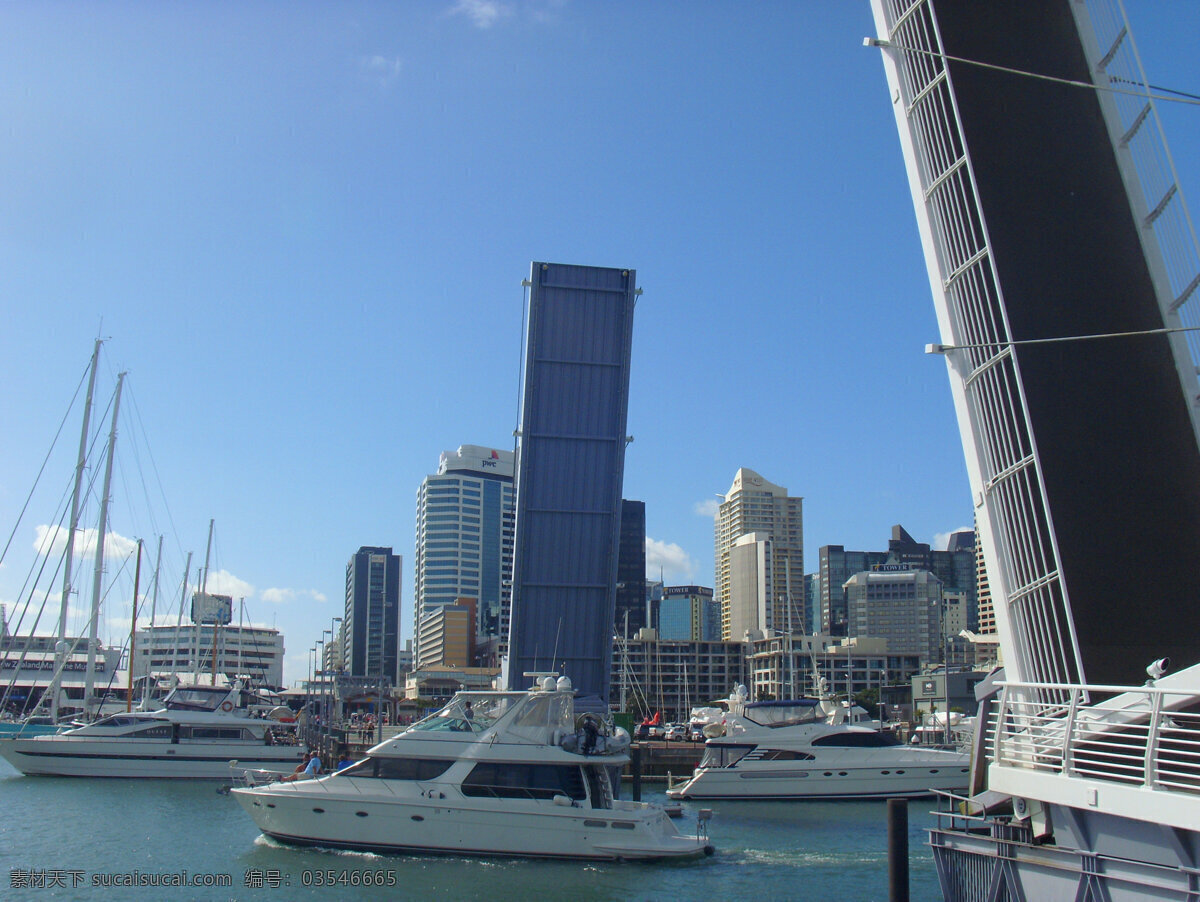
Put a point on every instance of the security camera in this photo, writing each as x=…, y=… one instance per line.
x=1158, y=668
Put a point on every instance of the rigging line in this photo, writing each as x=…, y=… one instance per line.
x=42, y=551
x=42, y=469
x=1144, y=94
x=137, y=413
x=28, y=642
x=1128, y=81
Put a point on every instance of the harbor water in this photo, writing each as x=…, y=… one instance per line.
x=72, y=838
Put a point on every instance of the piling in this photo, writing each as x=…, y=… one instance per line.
x=635, y=769
x=897, y=838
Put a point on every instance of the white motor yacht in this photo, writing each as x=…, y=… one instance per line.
x=195, y=735
x=814, y=748
x=492, y=773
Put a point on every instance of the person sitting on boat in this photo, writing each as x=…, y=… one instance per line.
x=310, y=766
x=344, y=759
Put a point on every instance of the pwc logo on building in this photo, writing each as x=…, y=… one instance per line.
x=492, y=461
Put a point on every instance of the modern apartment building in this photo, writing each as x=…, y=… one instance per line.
x=754, y=505
x=371, y=624
x=464, y=537
x=673, y=675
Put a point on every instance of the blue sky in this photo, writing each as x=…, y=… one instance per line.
x=304, y=227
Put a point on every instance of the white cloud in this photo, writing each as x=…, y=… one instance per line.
x=52, y=540
x=709, y=507
x=670, y=560
x=383, y=70
x=482, y=13
x=225, y=583
x=283, y=596
x=942, y=539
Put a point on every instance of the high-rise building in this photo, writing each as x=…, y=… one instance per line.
x=241, y=651
x=955, y=567
x=371, y=623
x=632, y=602
x=464, y=537
x=689, y=612
x=570, y=467
x=902, y=606
x=753, y=505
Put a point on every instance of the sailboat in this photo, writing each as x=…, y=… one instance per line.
x=1064, y=269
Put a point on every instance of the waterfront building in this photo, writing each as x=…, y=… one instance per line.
x=571, y=463
x=633, y=609
x=673, y=676
x=754, y=505
x=255, y=652
x=689, y=612
x=783, y=666
x=464, y=537
x=27, y=665
x=438, y=682
x=901, y=605
x=371, y=622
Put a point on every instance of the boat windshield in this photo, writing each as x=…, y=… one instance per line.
x=784, y=714
x=123, y=720
x=469, y=713
x=195, y=698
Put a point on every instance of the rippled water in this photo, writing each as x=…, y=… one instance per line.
x=97, y=832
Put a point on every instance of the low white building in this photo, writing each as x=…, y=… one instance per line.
x=253, y=651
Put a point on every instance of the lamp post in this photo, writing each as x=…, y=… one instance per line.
x=308, y=697
x=336, y=642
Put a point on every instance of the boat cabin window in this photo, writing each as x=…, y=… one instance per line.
x=784, y=714
x=398, y=768
x=857, y=740
x=724, y=755
x=525, y=781
x=214, y=733
x=472, y=713
x=784, y=755
x=196, y=698
x=160, y=731
x=122, y=720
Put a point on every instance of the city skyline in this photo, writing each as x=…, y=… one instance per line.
x=283, y=223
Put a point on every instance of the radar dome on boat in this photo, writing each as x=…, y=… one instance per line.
x=547, y=683
x=564, y=684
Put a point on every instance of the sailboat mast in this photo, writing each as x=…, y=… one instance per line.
x=80, y=466
x=203, y=591
x=137, y=578
x=153, y=609
x=101, y=531
x=187, y=569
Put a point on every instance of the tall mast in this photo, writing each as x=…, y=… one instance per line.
x=80, y=465
x=101, y=530
x=203, y=592
x=137, y=578
x=187, y=569
x=150, y=632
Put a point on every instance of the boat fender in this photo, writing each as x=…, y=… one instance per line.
x=226, y=706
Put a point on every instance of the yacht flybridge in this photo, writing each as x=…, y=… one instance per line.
x=814, y=748
x=195, y=735
x=492, y=773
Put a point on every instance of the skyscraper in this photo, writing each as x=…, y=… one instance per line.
x=754, y=505
x=464, y=537
x=371, y=623
x=570, y=468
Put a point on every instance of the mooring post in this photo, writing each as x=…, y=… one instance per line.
x=897, y=833
x=635, y=768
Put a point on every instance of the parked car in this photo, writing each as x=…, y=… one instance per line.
x=677, y=732
x=696, y=732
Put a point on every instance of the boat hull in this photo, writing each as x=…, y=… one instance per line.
x=60, y=756
x=834, y=780
x=308, y=814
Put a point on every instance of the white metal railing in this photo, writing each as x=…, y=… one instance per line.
x=1136, y=737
